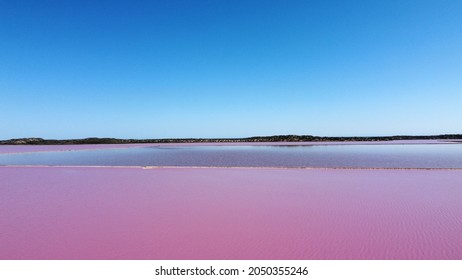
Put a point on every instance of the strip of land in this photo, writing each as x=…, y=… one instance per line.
x=275, y=138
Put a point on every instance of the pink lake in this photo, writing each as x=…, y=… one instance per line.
x=229, y=213
x=6, y=149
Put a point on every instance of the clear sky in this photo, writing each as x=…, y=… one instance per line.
x=228, y=68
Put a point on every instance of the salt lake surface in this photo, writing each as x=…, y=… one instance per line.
x=348, y=156
x=73, y=209
x=229, y=213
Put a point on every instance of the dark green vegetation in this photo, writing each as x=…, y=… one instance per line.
x=276, y=138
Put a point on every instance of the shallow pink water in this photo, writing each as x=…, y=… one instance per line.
x=4, y=149
x=227, y=213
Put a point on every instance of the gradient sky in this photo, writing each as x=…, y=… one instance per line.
x=160, y=69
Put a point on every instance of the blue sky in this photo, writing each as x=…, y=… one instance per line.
x=160, y=69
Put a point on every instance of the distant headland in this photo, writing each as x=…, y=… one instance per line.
x=275, y=138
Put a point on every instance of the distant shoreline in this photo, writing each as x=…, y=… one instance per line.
x=276, y=138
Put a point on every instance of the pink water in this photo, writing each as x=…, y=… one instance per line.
x=10, y=149
x=5, y=149
x=229, y=213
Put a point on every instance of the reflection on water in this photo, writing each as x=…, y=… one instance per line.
x=366, y=156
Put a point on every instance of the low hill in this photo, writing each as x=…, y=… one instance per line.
x=275, y=138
